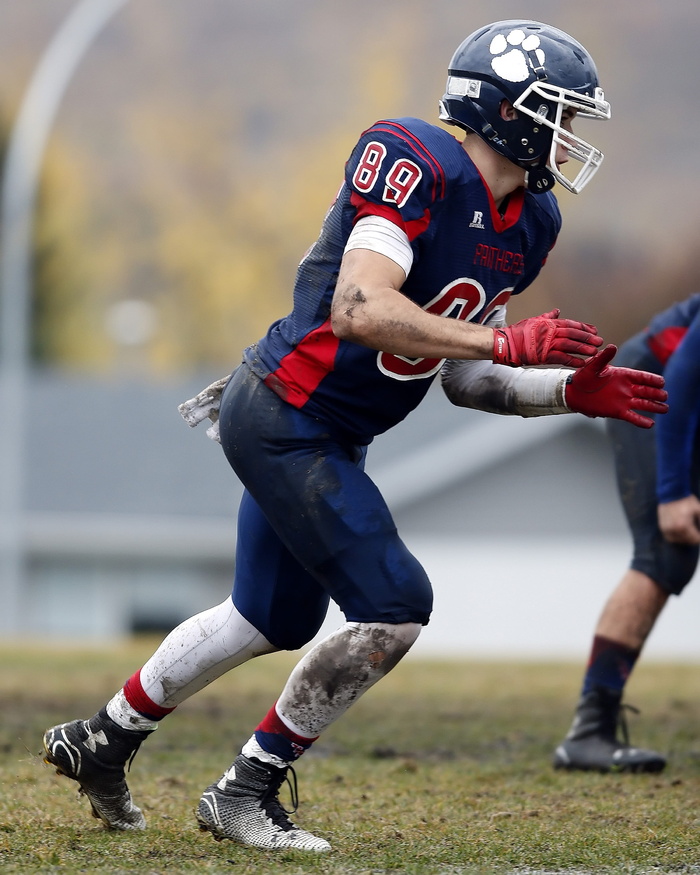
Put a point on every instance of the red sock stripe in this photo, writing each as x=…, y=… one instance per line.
x=136, y=696
x=272, y=723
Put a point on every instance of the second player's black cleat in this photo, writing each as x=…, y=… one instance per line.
x=94, y=753
x=592, y=743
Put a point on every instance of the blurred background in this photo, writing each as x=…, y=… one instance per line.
x=187, y=165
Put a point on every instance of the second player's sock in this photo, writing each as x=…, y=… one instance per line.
x=610, y=665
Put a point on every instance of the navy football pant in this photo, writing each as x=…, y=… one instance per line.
x=312, y=525
x=671, y=566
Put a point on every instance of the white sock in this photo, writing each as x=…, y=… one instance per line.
x=125, y=716
x=252, y=749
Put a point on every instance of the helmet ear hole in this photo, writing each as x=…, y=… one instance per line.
x=507, y=111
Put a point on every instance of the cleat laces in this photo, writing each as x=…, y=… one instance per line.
x=622, y=722
x=271, y=804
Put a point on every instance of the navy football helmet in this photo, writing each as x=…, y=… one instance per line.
x=542, y=72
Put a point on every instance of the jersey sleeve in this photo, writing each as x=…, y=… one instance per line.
x=676, y=430
x=393, y=175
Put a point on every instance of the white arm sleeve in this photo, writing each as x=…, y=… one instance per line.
x=382, y=236
x=494, y=388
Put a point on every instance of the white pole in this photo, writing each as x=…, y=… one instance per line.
x=20, y=182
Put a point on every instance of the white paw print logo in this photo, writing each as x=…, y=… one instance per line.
x=513, y=65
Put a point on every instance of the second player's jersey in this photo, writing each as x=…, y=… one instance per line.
x=468, y=260
x=674, y=337
x=667, y=329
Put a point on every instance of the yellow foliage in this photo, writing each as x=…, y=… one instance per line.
x=204, y=230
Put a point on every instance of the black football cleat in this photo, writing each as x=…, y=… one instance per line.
x=592, y=743
x=94, y=753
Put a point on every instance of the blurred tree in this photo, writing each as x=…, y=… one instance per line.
x=63, y=303
x=206, y=229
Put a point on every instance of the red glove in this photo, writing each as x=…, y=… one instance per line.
x=545, y=340
x=600, y=390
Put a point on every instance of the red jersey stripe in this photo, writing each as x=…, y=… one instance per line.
x=301, y=370
x=513, y=211
x=367, y=208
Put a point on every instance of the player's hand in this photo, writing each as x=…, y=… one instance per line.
x=598, y=389
x=679, y=520
x=545, y=340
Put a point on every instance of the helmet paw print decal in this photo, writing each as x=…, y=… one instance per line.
x=515, y=64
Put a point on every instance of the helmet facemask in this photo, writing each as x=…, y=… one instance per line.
x=551, y=101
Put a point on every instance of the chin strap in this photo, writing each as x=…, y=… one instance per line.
x=539, y=180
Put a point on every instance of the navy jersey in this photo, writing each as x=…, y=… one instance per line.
x=668, y=328
x=674, y=338
x=468, y=259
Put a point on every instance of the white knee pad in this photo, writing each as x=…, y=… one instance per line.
x=381, y=645
x=338, y=670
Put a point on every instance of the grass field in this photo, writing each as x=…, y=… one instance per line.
x=444, y=767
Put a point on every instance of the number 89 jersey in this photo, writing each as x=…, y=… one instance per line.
x=468, y=259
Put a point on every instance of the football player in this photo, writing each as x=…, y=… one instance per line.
x=657, y=475
x=428, y=238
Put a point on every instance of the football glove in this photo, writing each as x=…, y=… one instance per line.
x=597, y=389
x=545, y=340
